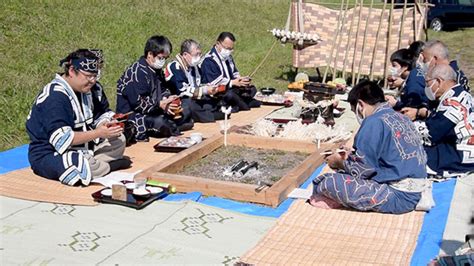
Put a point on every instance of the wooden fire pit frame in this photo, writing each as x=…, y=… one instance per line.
x=166, y=171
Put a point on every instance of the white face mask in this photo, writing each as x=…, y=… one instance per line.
x=359, y=116
x=195, y=60
x=426, y=66
x=159, y=63
x=225, y=53
x=430, y=94
x=394, y=72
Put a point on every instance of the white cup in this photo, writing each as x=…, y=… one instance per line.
x=197, y=137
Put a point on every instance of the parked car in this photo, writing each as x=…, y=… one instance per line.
x=451, y=14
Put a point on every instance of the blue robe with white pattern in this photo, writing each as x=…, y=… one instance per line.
x=59, y=112
x=183, y=80
x=413, y=92
x=218, y=71
x=140, y=89
x=460, y=77
x=448, y=133
x=387, y=149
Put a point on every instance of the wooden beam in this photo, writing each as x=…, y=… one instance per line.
x=273, y=143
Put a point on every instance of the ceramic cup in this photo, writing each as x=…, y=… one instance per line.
x=197, y=137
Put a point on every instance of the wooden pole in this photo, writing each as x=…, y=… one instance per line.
x=348, y=41
x=387, y=50
x=361, y=5
x=338, y=31
x=340, y=39
x=364, y=40
x=400, y=37
x=377, y=41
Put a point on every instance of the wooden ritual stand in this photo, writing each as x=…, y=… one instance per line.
x=166, y=171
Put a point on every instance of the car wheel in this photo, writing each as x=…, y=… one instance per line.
x=436, y=24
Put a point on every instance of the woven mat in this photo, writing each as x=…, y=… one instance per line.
x=307, y=235
x=24, y=184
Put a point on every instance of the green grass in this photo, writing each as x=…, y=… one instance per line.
x=35, y=35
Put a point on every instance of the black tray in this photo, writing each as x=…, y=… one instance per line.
x=136, y=202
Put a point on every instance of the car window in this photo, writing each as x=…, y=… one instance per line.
x=466, y=2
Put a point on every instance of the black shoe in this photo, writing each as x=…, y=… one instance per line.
x=119, y=164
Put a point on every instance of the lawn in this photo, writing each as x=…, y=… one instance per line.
x=35, y=35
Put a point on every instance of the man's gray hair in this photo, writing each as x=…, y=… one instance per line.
x=437, y=48
x=444, y=72
x=188, y=45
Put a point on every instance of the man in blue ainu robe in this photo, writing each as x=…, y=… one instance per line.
x=218, y=68
x=435, y=53
x=409, y=79
x=184, y=79
x=141, y=90
x=386, y=169
x=73, y=136
x=448, y=131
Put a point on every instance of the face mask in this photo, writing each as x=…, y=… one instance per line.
x=426, y=66
x=359, y=116
x=159, y=63
x=430, y=94
x=394, y=72
x=195, y=61
x=225, y=53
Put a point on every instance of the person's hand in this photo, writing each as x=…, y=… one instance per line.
x=165, y=101
x=391, y=100
x=241, y=82
x=109, y=130
x=409, y=112
x=336, y=160
x=394, y=82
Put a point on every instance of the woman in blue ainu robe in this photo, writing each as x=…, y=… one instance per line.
x=67, y=125
x=141, y=90
x=386, y=169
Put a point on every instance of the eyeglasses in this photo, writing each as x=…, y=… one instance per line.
x=90, y=77
x=222, y=45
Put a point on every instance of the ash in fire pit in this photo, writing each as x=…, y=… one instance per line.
x=245, y=165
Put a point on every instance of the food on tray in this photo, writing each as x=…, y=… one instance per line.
x=275, y=98
x=299, y=85
x=178, y=142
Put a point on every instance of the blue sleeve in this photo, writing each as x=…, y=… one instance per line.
x=100, y=101
x=367, y=145
x=440, y=128
x=57, y=118
x=211, y=73
x=138, y=93
x=175, y=78
x=414, y=92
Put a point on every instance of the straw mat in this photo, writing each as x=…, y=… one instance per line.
x=24, y=184
x=309, y=235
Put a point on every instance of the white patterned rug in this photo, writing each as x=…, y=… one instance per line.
x=33, y=233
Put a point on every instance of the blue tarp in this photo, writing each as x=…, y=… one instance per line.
x=429, y=239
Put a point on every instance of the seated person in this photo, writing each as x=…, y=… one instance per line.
x=65, y=127
x=448, y=131
x=405, y=76
x=386, y=172
x=436, y=53
x=218, y=68
x=140, y=90
x=183, y=78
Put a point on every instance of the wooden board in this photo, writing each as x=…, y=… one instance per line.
x=273, y=196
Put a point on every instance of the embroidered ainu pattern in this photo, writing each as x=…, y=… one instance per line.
x=403, y=131
x=352, y=192
x=89, y=65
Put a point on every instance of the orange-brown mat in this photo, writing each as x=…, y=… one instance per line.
x=309, y=235
x=24, y=184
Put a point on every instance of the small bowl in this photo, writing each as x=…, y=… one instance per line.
x=154, y=190
x=141, y=192
x=267, y=91
x=106, y=192
x=130, y=185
